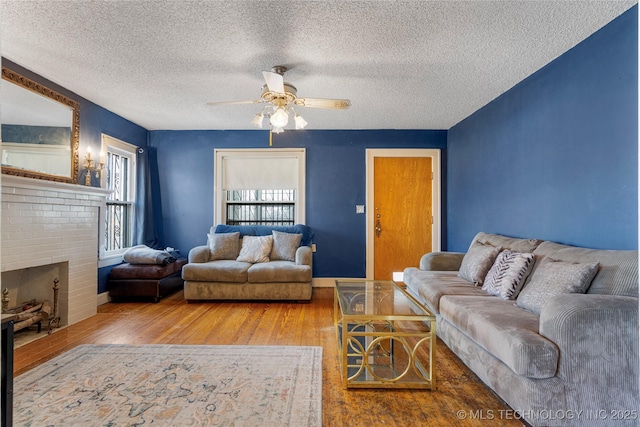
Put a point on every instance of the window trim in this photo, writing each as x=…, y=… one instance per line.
x=118, y=146
x=219, y=211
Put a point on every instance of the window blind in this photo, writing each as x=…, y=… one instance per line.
x=267, y=173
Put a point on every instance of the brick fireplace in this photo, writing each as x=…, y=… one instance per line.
x=46, y=225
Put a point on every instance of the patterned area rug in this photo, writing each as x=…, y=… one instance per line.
x=173, y=385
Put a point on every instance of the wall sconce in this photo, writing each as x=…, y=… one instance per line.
x=92, y=166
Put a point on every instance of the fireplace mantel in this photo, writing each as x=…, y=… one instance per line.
x=41, y=184
x=47, y=222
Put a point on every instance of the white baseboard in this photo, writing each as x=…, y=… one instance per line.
x=322, y=282
x=330, y=282
x=103, y=298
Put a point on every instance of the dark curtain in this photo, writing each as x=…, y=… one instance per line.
x=148, y=221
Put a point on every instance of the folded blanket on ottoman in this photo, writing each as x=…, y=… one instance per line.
x=142, y=254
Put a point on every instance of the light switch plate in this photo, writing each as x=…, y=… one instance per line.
x=359, y=209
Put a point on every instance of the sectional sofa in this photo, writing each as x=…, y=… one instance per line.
x=551, y=328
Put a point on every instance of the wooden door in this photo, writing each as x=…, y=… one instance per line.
x=403, y=215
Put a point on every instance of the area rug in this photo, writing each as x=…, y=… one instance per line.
x=173, y=385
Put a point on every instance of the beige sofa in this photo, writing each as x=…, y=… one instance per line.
x=558, y=356
x=251, y=263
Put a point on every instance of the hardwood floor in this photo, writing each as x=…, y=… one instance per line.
x=173, y=321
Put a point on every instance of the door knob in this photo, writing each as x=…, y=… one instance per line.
x=378, y=228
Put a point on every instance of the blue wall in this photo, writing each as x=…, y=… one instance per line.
x=336, y=182
x=556, y=157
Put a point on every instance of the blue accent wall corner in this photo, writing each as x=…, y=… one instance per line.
x=555, y=157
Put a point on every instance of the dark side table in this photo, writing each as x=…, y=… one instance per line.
x=6, y=419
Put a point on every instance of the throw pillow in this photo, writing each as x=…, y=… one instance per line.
x=508, y=273
x=223, y=245
x=255, y=249
x=285, y=246
x=477, y=262
x=553, y=278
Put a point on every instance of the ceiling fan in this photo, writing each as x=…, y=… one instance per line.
x=280, y=97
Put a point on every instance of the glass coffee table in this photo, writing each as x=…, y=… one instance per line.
x=386, y=339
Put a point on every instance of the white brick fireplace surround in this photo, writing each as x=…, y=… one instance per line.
x=45, y=222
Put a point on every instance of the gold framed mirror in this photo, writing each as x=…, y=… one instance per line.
x=40, y=130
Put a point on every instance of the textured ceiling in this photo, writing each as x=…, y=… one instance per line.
x=403, y=64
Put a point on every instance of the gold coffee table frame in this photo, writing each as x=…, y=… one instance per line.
x=380, y=330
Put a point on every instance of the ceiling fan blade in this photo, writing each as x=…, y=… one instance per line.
x=275, y=81
x=334, y=104
x=215, y=103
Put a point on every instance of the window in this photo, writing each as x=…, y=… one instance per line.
x=260, y=187
x=120, y=179
x=260, y=207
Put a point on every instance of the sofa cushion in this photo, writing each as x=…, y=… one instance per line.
x=553, y=278
x=279, y=271
x=216, y=271
x=430, y=286
x=284, y=246
x=255, y=249
x=504, y=330
x=266, y=230
x=477, y=262
x=223, y=245
x=508, y=273
x=505, y=242
x=618, y=274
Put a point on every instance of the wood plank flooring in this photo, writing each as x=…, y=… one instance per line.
x=173, y=321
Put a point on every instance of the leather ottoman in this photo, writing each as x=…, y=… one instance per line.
x=127, y=281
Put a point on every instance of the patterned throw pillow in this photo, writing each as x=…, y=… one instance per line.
x=477, y=262
x=285, y=246
x=508, y=273
x=553, y=278
x=255, y=249
x=223, y=245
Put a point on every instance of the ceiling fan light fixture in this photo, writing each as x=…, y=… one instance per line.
x=257, y=120
x=300, y=122
x=279, y=98
x=280, y=118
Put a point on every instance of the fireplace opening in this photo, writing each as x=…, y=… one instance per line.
x=30, y=293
